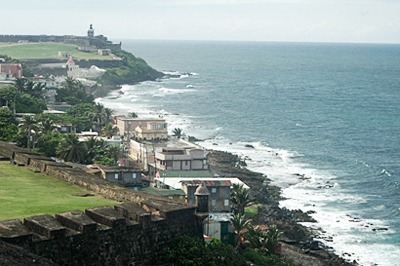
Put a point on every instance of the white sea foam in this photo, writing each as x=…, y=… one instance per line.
x=308, y=189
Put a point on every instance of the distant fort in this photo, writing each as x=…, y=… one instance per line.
x=99, y=41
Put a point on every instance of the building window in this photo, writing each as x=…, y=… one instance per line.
x=226, y=202
x=134, y=175
x=180, y=197
x=170, y=197
x=116, y=176
x=213, y=202
x=214, y=190
x=186, y=162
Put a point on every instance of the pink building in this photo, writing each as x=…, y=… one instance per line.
x=13, y=70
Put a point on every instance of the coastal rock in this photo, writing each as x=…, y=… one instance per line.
x=249, y=146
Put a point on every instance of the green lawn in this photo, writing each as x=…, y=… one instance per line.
x=45, y=50
x=24, y=193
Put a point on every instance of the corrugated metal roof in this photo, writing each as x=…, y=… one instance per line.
x=215, y=183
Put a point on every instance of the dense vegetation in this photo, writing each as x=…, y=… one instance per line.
x=134, y=70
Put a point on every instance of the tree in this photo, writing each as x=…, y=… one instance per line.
x=28, y=124
x=79, y=116
x=177, y=132
x=186, y=250
x=110, y=130
x=112, y=152
x=46, y=126
x=94, y=147
x=71, y=149
x=8, y=125
x=240, y=198
x=264, y=241
x=107, y=114
x=239, y=223
x=47, y=144
x=98, y=113
x=73, y=92
x=20, y=84
x=132, y=114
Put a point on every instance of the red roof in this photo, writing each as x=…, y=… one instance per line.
x=70, y=62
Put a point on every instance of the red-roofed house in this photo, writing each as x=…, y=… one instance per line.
x=12, y=70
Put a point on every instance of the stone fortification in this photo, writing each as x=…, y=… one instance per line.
x=98, y=41
x=131, y=233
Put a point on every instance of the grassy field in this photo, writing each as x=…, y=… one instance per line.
x=24, y=193
x=45, y=50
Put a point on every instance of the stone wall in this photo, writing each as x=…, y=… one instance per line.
x=131, y=233
x=98, y=41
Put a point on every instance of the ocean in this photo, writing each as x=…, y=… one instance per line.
x=323, y=119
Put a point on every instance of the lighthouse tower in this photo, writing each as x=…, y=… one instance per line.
x=90, y=32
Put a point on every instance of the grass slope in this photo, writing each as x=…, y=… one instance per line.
x=24, y=193
x=45, y=50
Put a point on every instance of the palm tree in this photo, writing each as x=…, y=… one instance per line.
x=38, y=89
x=107, y=113
x=240, y=198
x=110, y=130
x=263, y=240
x=132, y=114
x=112, y=152
x=20, y=84
x=177, y=132
x=93, y=146
x=47, y=125
x=69, y=84
x=28, y=124
x=239, y=223
x=98, y=113
x=71, y=149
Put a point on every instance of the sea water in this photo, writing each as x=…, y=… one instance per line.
x=323, y=120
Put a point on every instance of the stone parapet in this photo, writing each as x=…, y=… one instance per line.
x=132, y=233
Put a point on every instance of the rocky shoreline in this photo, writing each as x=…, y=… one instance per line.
x=297, y=240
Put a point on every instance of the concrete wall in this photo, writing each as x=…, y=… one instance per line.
x=132, y=233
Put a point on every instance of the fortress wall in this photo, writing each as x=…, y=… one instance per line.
x=134, y=232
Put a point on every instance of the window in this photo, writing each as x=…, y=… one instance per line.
x=134, y=175
x=226, y=202
x=116, y=176
x=170, y=197
x=214, y=190
x=213, y=202
x=180, y=197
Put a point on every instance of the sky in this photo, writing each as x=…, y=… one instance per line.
x=348, y=21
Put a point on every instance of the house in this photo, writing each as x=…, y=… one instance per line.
x=181, y=159
x=127, y=125
x=219, y=189
x=65, y=128
x=153, y=130
x=126, y=176
x=218, y=225
x=12, y=70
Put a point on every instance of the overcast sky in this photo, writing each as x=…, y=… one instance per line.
x=356, y=21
